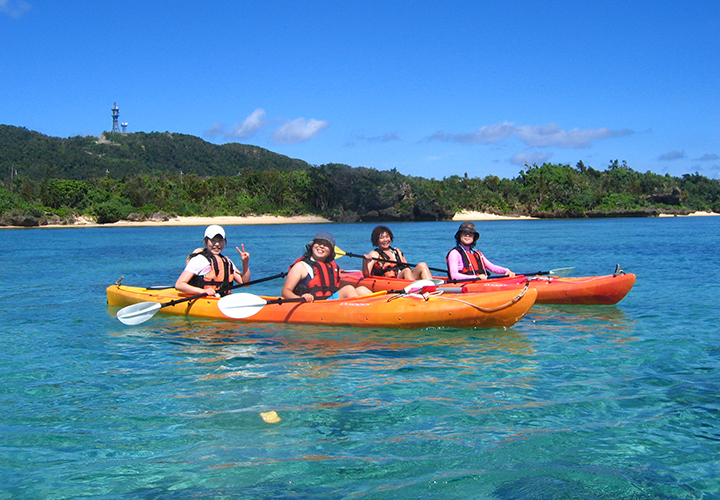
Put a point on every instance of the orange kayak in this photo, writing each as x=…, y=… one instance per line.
x=588, y=290
x=437, y=309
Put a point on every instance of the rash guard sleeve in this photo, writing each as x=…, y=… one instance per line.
x=493, y=268
x=455, y=264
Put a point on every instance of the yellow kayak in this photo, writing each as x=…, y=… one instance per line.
x=396, y=310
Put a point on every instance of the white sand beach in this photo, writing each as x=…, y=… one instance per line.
x=251, y=219
x=481, y=216
x=694, y=214
x=274, y=219
x=200, y=221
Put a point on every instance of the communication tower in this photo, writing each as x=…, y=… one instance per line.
x=115, y=116
x=124, y=126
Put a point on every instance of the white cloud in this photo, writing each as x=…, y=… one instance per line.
x=392, y=136
x=672, y=155
x=389, y=137
x=251, y=124
x=530, y=158
x=298, y=130
x=486, y=135
x=215, y=130
x=533, y=135
x=14, y=8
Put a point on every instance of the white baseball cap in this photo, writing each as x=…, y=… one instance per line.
x=213, y=231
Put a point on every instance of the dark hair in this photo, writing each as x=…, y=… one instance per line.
x=375, y=236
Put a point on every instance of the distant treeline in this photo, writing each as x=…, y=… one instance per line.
x=137, y=176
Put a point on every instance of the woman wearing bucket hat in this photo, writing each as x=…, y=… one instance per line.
x=464, y=262
x=208, y=270
x=315, y=275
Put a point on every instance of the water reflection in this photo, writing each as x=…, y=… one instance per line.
x=369, y=358
x=609, y=322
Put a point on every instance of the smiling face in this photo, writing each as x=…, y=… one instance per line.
x=215, y=245
x=384, y=241
x=321, y=250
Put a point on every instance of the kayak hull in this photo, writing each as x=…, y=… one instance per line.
x=589, y=290
x=382, y=310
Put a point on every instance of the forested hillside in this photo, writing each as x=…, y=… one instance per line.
x=133, y=176
x=37, y=156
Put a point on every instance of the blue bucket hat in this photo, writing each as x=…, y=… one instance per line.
x=325, y=237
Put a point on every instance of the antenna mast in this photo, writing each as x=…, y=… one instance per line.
x=115, y=117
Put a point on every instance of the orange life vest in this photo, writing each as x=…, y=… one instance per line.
x=391, y=269
x=472, y=261
x=221, y=274
x=325, y=280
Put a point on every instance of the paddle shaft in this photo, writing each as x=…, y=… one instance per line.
x=380, y=259
x=239, y=285
x=500, y=276
x=436, y=269
x=537, y=273
x=283, y=300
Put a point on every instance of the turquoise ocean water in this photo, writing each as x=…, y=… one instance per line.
x=589, y=402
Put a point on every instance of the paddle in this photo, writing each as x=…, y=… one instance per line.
x=139, y=313
x=558, y=273
x=244, y=305
x=561, y=272
x=340, y=253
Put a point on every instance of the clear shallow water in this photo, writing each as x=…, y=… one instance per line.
x=584, y=402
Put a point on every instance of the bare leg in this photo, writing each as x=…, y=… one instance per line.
x=406, y=274
x=347, y=292
x=421, y=272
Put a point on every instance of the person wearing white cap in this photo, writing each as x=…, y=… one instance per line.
x=315, y=275
x=209, y=271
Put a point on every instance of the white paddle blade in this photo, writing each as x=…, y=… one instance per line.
x=562, y=272
x=241, y=305
x=138, y=313
x=416, y=286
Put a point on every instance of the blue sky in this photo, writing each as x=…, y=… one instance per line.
x=430, y=88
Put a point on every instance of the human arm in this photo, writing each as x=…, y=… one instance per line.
x=369, y=263
x=193, y=267
x=297, y=273
x=496, y=269
x=245, y=257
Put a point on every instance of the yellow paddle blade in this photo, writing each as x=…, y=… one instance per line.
x=339, y=252
x=271, y=417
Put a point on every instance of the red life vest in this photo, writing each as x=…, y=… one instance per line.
x=325, y=280
x=472, y=261
x=391, y=269
x=221, y=274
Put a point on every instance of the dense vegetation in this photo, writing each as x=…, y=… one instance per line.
x=135, y=176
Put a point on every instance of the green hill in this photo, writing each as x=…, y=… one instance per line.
x=37, y=156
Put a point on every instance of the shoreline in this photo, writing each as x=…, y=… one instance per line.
x=188, y=221
x=275, y=219
x=482, y=216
